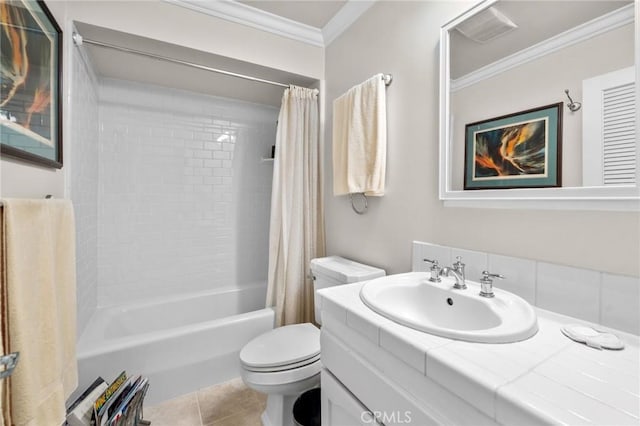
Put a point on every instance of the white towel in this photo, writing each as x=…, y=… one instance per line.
x=360, y=139
x=38, y=284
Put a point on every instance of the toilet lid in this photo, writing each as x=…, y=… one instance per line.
x=282, y=346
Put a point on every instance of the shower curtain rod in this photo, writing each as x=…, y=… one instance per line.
x=78, y=40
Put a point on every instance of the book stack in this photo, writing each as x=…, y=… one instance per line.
x=118, y=404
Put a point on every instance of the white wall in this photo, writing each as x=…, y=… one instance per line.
x=20, y=180
x=23, y=180
x=402, y=38
x=183, y=195
x=538, y=83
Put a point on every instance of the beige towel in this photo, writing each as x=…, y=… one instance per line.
x=360, y=139
x=39, y=309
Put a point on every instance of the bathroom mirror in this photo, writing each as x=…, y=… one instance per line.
x=503, y=58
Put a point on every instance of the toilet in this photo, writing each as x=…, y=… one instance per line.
x=285, y=362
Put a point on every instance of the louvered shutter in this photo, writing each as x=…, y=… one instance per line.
x=619, y=135
x=609, y=129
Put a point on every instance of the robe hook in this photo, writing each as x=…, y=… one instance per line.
x=573, y=106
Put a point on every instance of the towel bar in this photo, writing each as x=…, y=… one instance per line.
x=47, y=197
x=9, y=362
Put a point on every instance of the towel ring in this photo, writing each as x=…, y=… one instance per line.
x=359, y=204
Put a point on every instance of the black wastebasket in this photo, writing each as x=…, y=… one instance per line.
x=306, y=409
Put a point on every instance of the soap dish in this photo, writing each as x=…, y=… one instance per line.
x=592, y=337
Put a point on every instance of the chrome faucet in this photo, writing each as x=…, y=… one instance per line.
x=448, y=271
x=459, y=267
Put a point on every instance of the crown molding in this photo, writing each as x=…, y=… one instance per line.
x=346, y=16
x=595, y=27
x=246, y=15
x=240, y=13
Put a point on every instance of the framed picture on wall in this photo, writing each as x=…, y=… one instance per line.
x=30, y=96
x=519, y=150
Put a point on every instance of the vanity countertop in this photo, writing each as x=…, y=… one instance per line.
x=547, y=379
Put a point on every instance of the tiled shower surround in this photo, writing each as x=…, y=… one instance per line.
x=184, y=192
x=84, y=181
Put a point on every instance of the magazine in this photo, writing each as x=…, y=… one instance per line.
x=81, y=411
x=117, y=404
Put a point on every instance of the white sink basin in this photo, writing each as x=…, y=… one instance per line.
x=412, y=300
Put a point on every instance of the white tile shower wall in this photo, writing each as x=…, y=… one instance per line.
x=184, y=196
x=600, y=297
x=83, y=169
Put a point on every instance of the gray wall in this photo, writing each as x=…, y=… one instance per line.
x=402, y=38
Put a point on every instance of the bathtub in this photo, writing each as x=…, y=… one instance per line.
x=181, y=344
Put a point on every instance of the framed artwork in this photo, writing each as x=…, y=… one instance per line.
x=30, y=93
x=520, y=150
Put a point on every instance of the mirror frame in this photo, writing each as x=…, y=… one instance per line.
x=625, y=198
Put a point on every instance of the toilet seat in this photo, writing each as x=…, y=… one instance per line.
x=283, y=367
x=282, y=349
x=282, y=378
x=285, y=360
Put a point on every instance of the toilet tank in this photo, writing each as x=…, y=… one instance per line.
x=335, y=270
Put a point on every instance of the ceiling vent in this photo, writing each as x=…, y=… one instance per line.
x=486, y=25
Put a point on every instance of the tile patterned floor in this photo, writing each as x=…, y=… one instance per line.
x=227, y=404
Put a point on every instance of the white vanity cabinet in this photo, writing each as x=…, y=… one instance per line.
x=340, y=407
x=407, y=377
x=360, y=394
x=362, y=376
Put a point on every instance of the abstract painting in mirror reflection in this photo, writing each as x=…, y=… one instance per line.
x=519, y=150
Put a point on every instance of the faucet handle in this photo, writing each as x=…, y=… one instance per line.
x=458, y=262
x=487, y=276
x=486, y=283
x=435, y=270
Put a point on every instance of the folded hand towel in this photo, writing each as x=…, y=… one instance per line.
x=360, y=139
x=38, y=308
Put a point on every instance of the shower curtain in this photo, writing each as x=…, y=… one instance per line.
x=297, y=224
